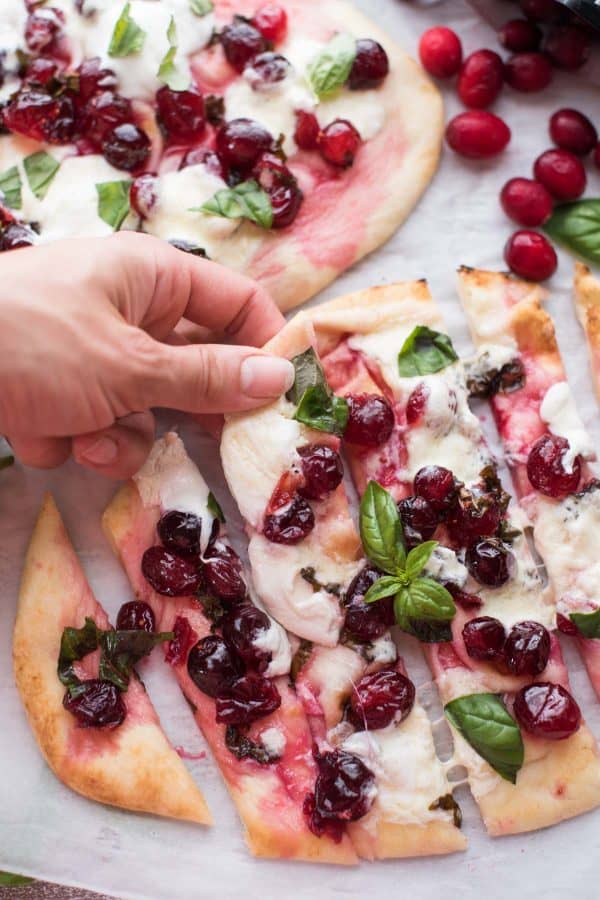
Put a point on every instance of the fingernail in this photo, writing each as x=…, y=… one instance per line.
x=266, y=376
x=101, y=453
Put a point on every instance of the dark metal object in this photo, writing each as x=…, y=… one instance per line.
x=588, y=10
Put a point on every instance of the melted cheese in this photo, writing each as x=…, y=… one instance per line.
x=273, y=740
x=275, y=641
x=331, y=673
x=445, y=566
x=559, y=412
x=522, y=597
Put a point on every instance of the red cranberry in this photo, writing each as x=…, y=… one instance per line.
x=212, y=666
x=282, y=187
x=291, y=524
x=169, y=574
x=370, y=67
x=569, y=47
x=241, y=41
x=249, y=698
x=126, y=147
x=547, y=711
x=520, y=35
x=269, y=68
x=527, y=649
x=339, y=143
x=573, y=131
x=476, y=514
x=440, y=52
x=419, y=520
x=242, y=628
x=184, y=637
x=562, y=173
x=526, y=202
x=490, y=562
x=240, y=143
x=40, y=71
x=136, y=616
x=96, y=704
x=43, y=28
x=223, y=575
x=597, y=156
x=322, y=470
x=528, y=72
x=104, y=112
x=477, y=134
x=436, y=484
x=381, y=698
x=271, y=21
x=467, y=601
x=143, y=195
x=484, y=638
x=366, y=621
x=200, y=156
x=416, y=403
x=180, y=531
x=543, y=10
x=481, y=79
x=307, y=130
x=530, y=255
x=40, y=116
x=546, y=470
x=181, y=113
x=93, y=79
x=16, y=236
x=566, y=626
x=370, y=420
x=343, y=791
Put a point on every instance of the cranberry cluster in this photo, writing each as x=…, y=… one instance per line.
x=344, y=792
x=524, y=651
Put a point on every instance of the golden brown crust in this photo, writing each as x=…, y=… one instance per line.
x=393, y=841
x=587, y=305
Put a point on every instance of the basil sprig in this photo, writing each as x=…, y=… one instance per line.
x=425, y=351
x=316, y=404
x=419, y=601
x=168, y=71
x=588, y=624
x=330, y=69
x=201, y=7
x=127, y=37
x=577, y=226
x=40, y=169
x=11, y=186
x=485, y=723
x=114, y=204
x=244, y=201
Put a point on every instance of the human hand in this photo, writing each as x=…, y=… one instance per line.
x=92, y=337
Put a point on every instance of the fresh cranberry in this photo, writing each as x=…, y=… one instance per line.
x=520, y=35
x=436, y=484
x=291, y=524
x=440, y=52
x=366, y=621
x=223, y=575
x=93, y=79
x=103, y=112
x=566, y=626
x=475, y=514
x=530, y=255
x=143, y=195
x=282, y=187
x=370, y=67
x=527, y=648
x=484, y=638
x=546, y=470
x=242, y=630
x=241, y=41
x=562, y=173
x=170, y=574
x=96, y=704
x=419, y=520
x=307, y=130
x=381, y=698
x=597, y=156
x=268, y=68
x=136, y=616
x=344, y=791
x=40, y=116
x=322, y=470
x=547, y=711
x=526, y=202
x=543, y=10
x=212, y=666
x=573, y=131
x=184, y=637
x=200, y=156
x=249, y=698
x=370, y=420
x=271, y=21
x=16, y=236
x=477, y=134
x=180, y=531
x=240, y=143
x=339, y=143
x=481, y=79
x=181, y=113
x=490, y=562
x=528, y=72
x=43, y=28
x=40, y=71
x=126, y=147
x=569, y=47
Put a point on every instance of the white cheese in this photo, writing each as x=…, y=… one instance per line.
x=482, y=778
x=444, y=565
x=491, y=358
x=332, y=671
x=381, y=651
x=275, y=641
x=12, y=31
x=273, y=740
x=523, y=596
x=559, y=412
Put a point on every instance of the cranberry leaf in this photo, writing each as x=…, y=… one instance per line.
x=485, y=723
x=201, y=7
x=425, y=351
x=386, y=586
x=244, y=201
x=418, y=558
x=113, y=202
x=330, y=69
x=588, y=624
x=122, y=651
x=127, y=37
x=381, y=529
x=76, y=643
x=10, y=186
x=428, y=600
x=577, y=227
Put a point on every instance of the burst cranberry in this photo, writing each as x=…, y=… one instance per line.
x=467, y=601
x=530, y=255
x=240, y=143
x=477, y=134
x=223, y=575
x=366, y=621
x=370, y=420
x=181, y=113
x=481, y=79
x=562, y=173
x=307, y=130
x=212, y=666
x=436, y=484
x=267, y=68
x=571, y=130
x=170, y=574
x=476, y=514
x=291, y=524
x=136, y=616
x=546, y=469
x=520, y=35
x=39, y=116
x=566, y=626
x=43, y=28
x=528, y=72
x=490, y=562
x=271, y=21
x=249, y=698
x=547, y=711
x=93, y=79
x=416, y=403
x=281, y=186
x=104, y=112
x=381, y=698
x=527, y=649
x=143, y=194
x=16, y=236
x=569, y=47
x=419, y=520
x=339, y=143
x=96, y=704
x=484, y=638
x=241, y=41
x=440, y=52
x=322, y=470
x=126, y=147
x=243, y=629
x=543, y=10
x=344, y=791
x=370, y=67
x=184, y=637
x=526, y=201
x=41, y=71
x=180, y=531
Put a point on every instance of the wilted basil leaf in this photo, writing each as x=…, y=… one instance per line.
x=244, y=201
x=168, y=72
x=425, y=351
x=40, y=169
x=317, y=405
x=127, y=37
x=485, y=723
x=243, y=747
x=76, y=643
x=122, y=651
x=10, y=185
x=113, y=202
x=214, y=507
x=588, y=624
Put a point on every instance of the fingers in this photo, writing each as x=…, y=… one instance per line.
x=118, y=451
x=40, y=453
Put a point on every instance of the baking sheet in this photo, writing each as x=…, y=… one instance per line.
x=48, y=832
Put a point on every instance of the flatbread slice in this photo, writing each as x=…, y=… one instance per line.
x=586, y=295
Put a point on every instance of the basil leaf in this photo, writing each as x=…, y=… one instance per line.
x=588, y=624
x=381, y=529
x=122, y=650
x=322, y=410
x=127, y=37
x=425, y=351
x=113, y=202
x=7, y=461
x=76, y=643
x=168, y=71
x=40, y=169
x=400, y=604
x=386, y=586
x=430, y=632
x=214, y=507
x=300, y=658
x=7, y=879
x=201, y=7
x=331, y=68
x=10, y=185
x=577, y=226
x=308, y=373
x=244, y=201
x=418, y=558
x=485, y=723
x=244, y=747
x=428, y=599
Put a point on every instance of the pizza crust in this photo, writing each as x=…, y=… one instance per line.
x=587, y=307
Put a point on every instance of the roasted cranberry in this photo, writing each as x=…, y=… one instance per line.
x=344, y=790
x=527, y=648
x=41, y=71
x=181, y=113
x=526, y=201
x=322, y=470
x=569, y=47
x=271, y=21
x=339, y=143
x=530, y=255
x=484, y=638
x=307, y=130
x=370, y=67
x=40, y=116
x=242, y=629
x=477, y=134
x=200, y=156
x=268, y=68
x=241, y=41
x=184, y=637
x=562, y=173
x=223, y=575
x=104, y=112
x=96, y=704
x=490, y=562
x=136, y=616
x=547, y=711
x=370, y=420
x=481, y=79
x=43, y=28
x=573, y=131
x=440, y=52
x=419, y=520
x=566, y=626
x=170, y=574
x=282, y=187
x=381, y=698
x=436, y=484
x=467, y=601
x=94, y=79
x=180, y=531
x=249, y=698
x=416, y=403
x=126, y=147
x=520, y=35
x=291, y=524
x=528, y=72
x=213, y=666
x=240, y=143
x=366, y=621
x=143, y=194
x=546, y=469
x=476, y=514
x=16, y=236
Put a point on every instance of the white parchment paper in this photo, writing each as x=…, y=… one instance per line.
x=49, y=832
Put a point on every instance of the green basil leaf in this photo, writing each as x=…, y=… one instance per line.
x=127, y=37
x=244, y=201
x=577, y=226
x=428, y=599
x=7, y=461
x=400, y=605
x=485, y=723
x=387, y=586
x=308, y=372
x=425, y=351
x=430, y=632
x=113, y=202
x=300, y=658
x=10, y=185
x=40, y=169
x=381, y=529
x=214, y=507
x=122, y=651
x=418, y=558
x=322, y=410
x=168, y=72
x=588, y=624
x=331, y=67
x=201, y=7
x=7, y=879
x=76, y=643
